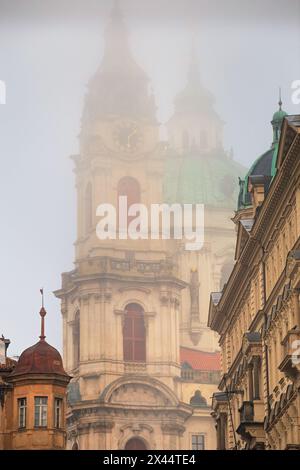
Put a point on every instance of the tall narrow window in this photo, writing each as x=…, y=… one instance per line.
x=130, y=188
x=58, y=410
x=76, y=339
x=22, y=408
x=198, y=442
x=134, y=334
x=40, y=412
x=88, y=207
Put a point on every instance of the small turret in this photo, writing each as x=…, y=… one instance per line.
x=39, y=384
x=277, y=120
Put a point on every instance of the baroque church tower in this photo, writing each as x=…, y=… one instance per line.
x=132, y=324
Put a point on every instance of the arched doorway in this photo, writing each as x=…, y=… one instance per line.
x=135, y=444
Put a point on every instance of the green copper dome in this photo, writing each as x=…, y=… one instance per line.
x=198, y=170
x=279, y=115
x=210, y=179
x=265, y=164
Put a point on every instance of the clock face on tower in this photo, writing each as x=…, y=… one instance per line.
x=127, y=136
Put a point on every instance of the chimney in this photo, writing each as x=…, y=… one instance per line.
x=4, y=343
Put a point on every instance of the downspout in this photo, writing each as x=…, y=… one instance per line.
x=265, y=320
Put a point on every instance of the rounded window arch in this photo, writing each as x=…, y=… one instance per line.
x=134, y=334
x=135, y=443
x=130, y=187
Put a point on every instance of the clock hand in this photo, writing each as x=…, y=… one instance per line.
x=131, y=135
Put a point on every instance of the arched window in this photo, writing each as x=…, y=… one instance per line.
x=135, y=444
x=198, y=400
x=88, y=208
x=129, y=187
x=76, y=339
x=134, y=334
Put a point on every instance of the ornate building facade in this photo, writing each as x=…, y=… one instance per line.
x=33, y=392
x=135, y=340
x=257, y=313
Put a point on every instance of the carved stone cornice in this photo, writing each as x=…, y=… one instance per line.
x=173, y=429
x=103, y=426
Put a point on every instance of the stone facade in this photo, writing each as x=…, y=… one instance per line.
x=158, y=399
x=33, y=398
x=257, y=314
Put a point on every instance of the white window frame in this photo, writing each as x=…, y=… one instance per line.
x=58, y=412
x=197, y=434
x=22, y=412
x=40, y=412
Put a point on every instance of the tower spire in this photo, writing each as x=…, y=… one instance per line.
x=116, y=34
x=280, y=100
x=42, y=314
x=116, y=10
x=277, y=120
x=120, y=85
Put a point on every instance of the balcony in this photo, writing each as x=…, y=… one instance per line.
x=290, y=364
x=247, y=412
x=199, y=376
x=251, y=424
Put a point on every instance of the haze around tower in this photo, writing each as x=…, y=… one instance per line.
x=48, y=54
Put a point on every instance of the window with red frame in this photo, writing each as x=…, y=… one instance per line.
x=134, y=334
x=129, y=187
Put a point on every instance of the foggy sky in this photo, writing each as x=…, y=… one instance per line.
x=49, y=51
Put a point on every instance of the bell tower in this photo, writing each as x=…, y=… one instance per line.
x=120, y=304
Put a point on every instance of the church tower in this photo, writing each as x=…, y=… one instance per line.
x=120, y=305
x=199, y=170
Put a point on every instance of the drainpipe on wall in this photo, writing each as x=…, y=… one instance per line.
x=265, y=320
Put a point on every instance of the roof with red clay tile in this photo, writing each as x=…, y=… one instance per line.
x=200, y=360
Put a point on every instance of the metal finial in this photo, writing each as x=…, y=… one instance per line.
x=280, y=101
x=42, y=314
x=116, y=8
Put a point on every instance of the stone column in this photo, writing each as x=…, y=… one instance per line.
x=256, y=361
x=250, y=380
x=222, y=431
